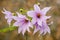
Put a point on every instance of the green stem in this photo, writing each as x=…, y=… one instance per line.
x=26, y=35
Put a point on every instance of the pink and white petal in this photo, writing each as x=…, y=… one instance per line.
x=34, y=21
x=47, y=17
x=44, y=32
x=15, y=17
x=45, y=10
x=4, y=9
x=41, y=31
x=6, y=17
x=9, y=21
x=30, y=25
x=36, y=8
x=39, y=21
x=19, y=29
x=35, y=30
x=31, y=13
x=23, y=30
x=48, y=30
x=50, y=23
x=6, y=12
x=28, y=29
x=20, y=15
x=16, y=24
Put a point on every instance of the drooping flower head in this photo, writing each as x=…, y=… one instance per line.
x=8, y=15
x=38, y=15
x=22, y=22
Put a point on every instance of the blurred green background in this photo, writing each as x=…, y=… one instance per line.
x=15, y=5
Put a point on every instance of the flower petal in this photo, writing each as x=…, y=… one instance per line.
x=30, y=25
x=34, y=21
x=39, y=22
x=19, y=29
x=6, y=12
x=28, y=29
x=24, y=30
x=35, y=31
x=20, y=15
x=36, y=8
x=9, y=21
x=16, y=24
x=31, y=13
x=17, y=18
x=48, y=29
x=41, y=31
x=44, y=10
x=47, y=17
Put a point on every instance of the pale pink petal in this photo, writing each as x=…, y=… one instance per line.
x=45, y=10
x=6, y=17
x=20, y=15
x=34, y=21
x=31, y=13
x=28, y=29
x=19, y=29
x=18, y=20
x=41, y=31
x=35, y=31
x=23, y=30
x=36, y=8
x=15, y=18
x=50, y=23
x=48, y=30
x=16, y=24
x=44, y=32
x=9, y=21
x=47, y=17
x=39, y=21
x=6, y=12
x=30, y=25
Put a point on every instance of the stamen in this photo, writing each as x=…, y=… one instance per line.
x=26, y=20
x=38, y=15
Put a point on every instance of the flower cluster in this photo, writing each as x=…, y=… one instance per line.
x=38, y=20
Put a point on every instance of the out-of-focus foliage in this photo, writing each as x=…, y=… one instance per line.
x=16, y=5
x=8, y=29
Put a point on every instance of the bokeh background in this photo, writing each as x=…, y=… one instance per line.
x=15, y=5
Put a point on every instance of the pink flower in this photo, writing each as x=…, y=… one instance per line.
x=43, y=30
x=8, y=16
x=22, y=22
x=39, y=19
x=38, y=15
